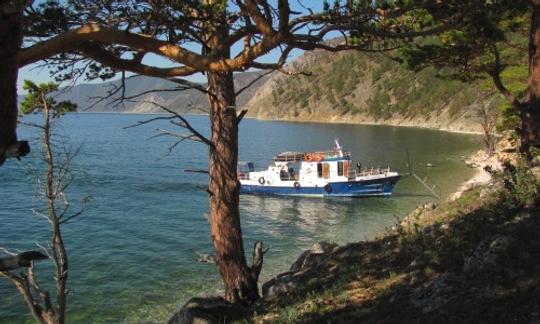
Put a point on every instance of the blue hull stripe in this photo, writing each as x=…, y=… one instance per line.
x=375, y=187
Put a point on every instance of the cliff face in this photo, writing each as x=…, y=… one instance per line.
x=352, y=87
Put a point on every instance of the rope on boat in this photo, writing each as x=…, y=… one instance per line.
x=426, y=181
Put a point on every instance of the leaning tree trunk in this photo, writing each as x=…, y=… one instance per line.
x=530, y=114
x=11, y=33
x=224, y=187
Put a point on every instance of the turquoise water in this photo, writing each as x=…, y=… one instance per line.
x=133, y=252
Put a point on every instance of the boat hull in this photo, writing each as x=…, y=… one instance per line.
x=362, y=188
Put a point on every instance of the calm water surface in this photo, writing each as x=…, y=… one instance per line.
x=133, y=252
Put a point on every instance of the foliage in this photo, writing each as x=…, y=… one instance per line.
x=523, y=186
x=39, y=96
x=392, y=90
x=59, y=211
x=489, y=45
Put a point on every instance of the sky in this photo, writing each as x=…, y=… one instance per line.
x=39, y=74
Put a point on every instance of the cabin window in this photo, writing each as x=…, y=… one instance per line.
x=340, y=168
x=326, y=170
x=319, y=170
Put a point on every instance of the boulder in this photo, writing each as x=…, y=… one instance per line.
x=284, y=284
x=208, y=310
x=303, y=274
x=313, y=256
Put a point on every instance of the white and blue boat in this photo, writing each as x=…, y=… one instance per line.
x=320, y=174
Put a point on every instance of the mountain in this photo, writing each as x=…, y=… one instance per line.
x=345, y=87
x=356, y=87
x=87, y=96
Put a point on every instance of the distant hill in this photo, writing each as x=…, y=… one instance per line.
x=357, y=87
x=86, y=96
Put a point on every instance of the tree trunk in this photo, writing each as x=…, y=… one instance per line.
x=224, y=189
x=11, y=33
x=530, y=114
x=57, y=242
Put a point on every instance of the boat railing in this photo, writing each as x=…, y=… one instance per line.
x=246, y=175
x=368, y=172
x=291, y=157
x=331, y=153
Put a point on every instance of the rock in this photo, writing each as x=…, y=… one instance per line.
x=206, y=258
x=313, y=256
x=284, y=284
x=322, y=247
x=209, y=310
x=430, y=206
x=486, y=254
x=291, y=283
x=302, y=274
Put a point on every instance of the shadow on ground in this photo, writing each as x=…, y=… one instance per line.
x=476, y=259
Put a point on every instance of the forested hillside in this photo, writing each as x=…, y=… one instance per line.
x=373, y=88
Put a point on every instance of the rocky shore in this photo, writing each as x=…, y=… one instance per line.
x=475, y=258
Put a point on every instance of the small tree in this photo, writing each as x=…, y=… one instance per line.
x=487, y=116
x=56, y=180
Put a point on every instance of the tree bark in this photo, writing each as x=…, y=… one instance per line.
x=11, y=33
x=530, y=113
x=224, y=189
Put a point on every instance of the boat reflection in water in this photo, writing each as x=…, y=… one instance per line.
x=299, y=220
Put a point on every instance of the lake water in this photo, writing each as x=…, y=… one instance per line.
x=133, y=252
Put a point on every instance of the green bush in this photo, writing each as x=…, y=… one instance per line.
x=523, y=186
x=509, y=119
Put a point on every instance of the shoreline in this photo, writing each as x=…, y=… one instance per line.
x=303, y=121
x=365, y=123
x=478, y=161
x=415, y=269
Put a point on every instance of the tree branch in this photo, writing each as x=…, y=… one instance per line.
x=495, y=74
x=252, y=82
x=185, y=124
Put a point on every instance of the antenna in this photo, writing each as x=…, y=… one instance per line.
x=338, y=147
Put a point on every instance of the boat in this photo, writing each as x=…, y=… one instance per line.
x=320, y=173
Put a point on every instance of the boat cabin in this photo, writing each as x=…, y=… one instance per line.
x=243, y=169
x=304, y=167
